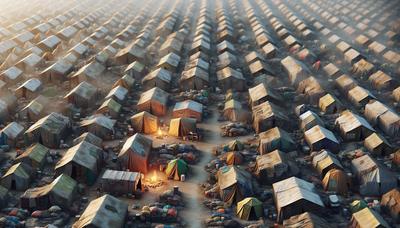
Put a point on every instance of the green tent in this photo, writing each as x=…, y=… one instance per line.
x=357, y=205
x=176, y=168
x=249, y=208
x=234, y=145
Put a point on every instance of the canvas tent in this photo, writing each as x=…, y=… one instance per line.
x=275, y=138
x=378, y=145
x=353, y=127
x=234, y=184
x=90, y=138
x=294, y=196
x=99, y=125
x=229, y=78
x=121, y=182
x=180, y=127
x=105, y=211
x=81, y=162
x=61, y=191
x=319, y=138
x=336, y=180
x=306, y=220
x=154, y=101
x=374, y=179
x=249, y=208
x=368, y=218
x=390, y=203
x=34, y=156
x=195, y=78
x=135, y=153
x=17, y=177
x=49, y=130
x=267, y=115
x=144, y=122
x=234, y=111
x=275, y=166
x=176, y=168
x=324, y=161
x=11, y=134
x=261, y=93
x=188, y=109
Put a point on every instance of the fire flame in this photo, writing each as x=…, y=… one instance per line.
x=159, y=132
x=154, y=177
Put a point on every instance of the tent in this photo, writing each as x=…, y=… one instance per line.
x=110, y=107
x=357, y=205
x=234, y=184
x=188, y=109
x=121, y=182
x=229, y=78
x=319, y=138
x=234, y=145
x=160, y=78
x=105, y=211
x=83, y=95
x=35, y=155
x=374, y=179
x=309, y=119
x=249, y=208
x=99, y=125
x=12, y=133
x=294, y=196
x=329, y=104
x=353, y=127
x=378, y=145
x=82, y=162
x=176, y=168
x=276, y=138
x=135, y=153
x=368, y=218
x=268, y=115
x=180, y=127
x=17, y=177
x=233, y=158
x=337, y=181
x=235, y=112
x=144, y=122
x=154, y=101
x=61, y=191
x=261, y=93
x=195, y=78
x=90, y=138
x=275, y=166
x=324, y=161
x=306, y=220
x=36, y=109
x=390, y=203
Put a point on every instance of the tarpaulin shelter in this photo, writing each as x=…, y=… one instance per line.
x=312, y=90
x=261, y=93
x=144, y=122
x=188, y=109
x=275, y=166
x=49, y=130
x=118, y=93
x=267, y=115
x=125, y=81
x=378, y=145
x=353, y=127
x=135, y=153
x=12, y=133
x=229, y=78
x=105, y=211
x=90, y=138
x=17, y=177
x=61, y=192
x=366, y=218
x=374, y=179
x=234, y=111
x=180, y=127
x=35, y=155
x=58, y=72
x=83, y=95
x=306, y=220
x=390, y=203
x=249, y=208
x=294, y=196
x=319, y=138
x=360, y=96
x=309, y=119
x=90, y=73
x=276, y=138
x=99, y=125
x=122, y=182
x=234, y=184
x=81, y=162
x=294, y=69
x=336, y=180
x=176, y=168
x=110, y=107
x=169, y=62
x=136, y=70
x=154, y=101
x=329, y=104
x=195, y=78
x=29, y=89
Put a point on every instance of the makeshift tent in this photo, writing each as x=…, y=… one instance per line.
x=144, y=122
x=294, y=196
x=319, y=138
x=83, y=95
x=249, y=208
x=160, y=78
x=233, y=111
x=99, y=125
x=105, y=211
x=229, y=78
x=17, y=177
x=118, y=93
x=121, y=182
x=35, y=156
x=390, y=204
x=337, y=181
x=311, y=89
x=374, y=179
x=378, y=145
x=169, y=62
x=61, y=192
x=306, y=220
x=154, y=101
x=81, y=162
x=366, y=218
x=358, y=205
x=110, y=107
x=195, y=78
x=30, y=89
x=188, y=109
x=12, y=133
x=275, y=166
x=90, y=138
x=36, y=108
x=135, y=70
x=135, y=153
x=309, y=119
x=234, y=184
x=233, y=158
x=267, y=115
x=324, y=161
x=180, y=127
x=234, y=145
x=261, y=93
x=176, y=168
x=276, y=138
x=125, y=81
x=329, y=104
x=49, y=130
x=353, y=127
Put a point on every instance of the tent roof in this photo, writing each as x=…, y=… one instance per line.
x=36, y=152
x=156, y=94
x=349, y=121
x=369, y=218
x=306, y=219
x=19, y=170
x=189, y=104
x=84, y=154
x=138, y=144
x=53, y=122
x=12, y=130
x=318, y=133
x=230, y=175
x=84, y=90
x=100, y=120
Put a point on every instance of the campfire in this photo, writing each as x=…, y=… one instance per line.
x=153, y=180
